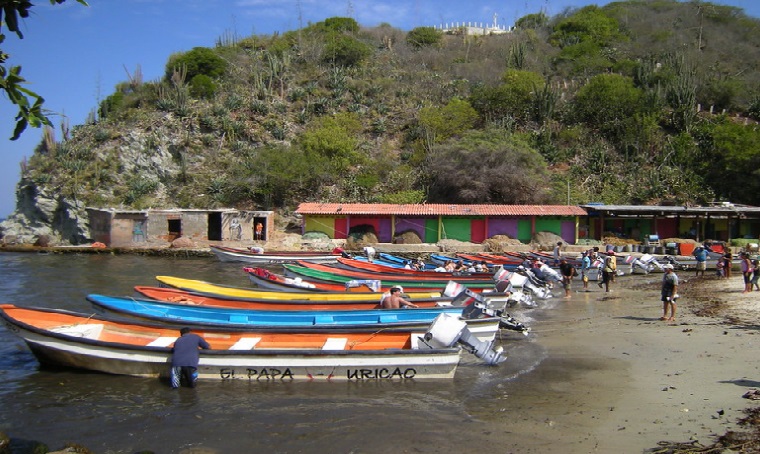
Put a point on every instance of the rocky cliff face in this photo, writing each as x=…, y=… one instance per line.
x=42, y=214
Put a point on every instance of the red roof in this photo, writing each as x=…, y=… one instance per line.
x=436, y=209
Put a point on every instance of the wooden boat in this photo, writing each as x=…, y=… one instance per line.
x=374, y=268
x=182, y=313
x=266, y=279
x=176, y=295
x=229, y=254
x=208, y=288
x=85, y=341
x=399, y=261
x=495, y=259
x=331, y=274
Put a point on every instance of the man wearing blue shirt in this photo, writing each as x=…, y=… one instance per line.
x=700, y=254
x=185, y=358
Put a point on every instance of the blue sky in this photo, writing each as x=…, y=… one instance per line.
x=74, y=55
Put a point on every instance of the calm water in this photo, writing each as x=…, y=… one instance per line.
x=114, y=414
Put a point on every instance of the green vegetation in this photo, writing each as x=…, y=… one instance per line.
x=29, y=103
x=634, y=102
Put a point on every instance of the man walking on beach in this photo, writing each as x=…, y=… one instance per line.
x=700, y=254
x=608, y=273
x=585, y=267
x=568, y=271
x=669, y=292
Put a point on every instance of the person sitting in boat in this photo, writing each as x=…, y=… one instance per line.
x=185, y=358
x=395, y=301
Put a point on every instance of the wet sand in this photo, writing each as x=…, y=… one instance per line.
x=618, y=379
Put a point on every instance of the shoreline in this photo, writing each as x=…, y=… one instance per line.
x=618, y=379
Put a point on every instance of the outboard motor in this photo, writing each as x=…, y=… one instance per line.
x=448, y=330
x=675, y=263
x=475, y=306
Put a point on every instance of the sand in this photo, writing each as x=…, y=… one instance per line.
x=618, y=379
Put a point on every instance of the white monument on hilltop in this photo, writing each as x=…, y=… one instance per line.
x=473, y=28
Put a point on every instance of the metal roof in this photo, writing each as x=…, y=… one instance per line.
x=662, y=210
x=437, y=209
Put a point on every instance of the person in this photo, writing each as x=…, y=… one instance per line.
x=700, y=254
x=185, y=357
x=450, y=266
x=585, y=268
x=370, y=251
x=669, y=292
x=608, y=272
x=460, y=267
x=746, y=267
x=755, y=274
x=727, y=264
x=408, y=265
x=259, y=232
x=557, y=252
x=395, y=301
x=568, y=271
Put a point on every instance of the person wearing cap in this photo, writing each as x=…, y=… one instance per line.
x=395, y=301
x=669, y=292
x=608, y=272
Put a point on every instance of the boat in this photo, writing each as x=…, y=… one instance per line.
x=230, y=254
x=265, y=279
x=323, y=273
x=211, y=289
x=63, y=338
x=176, y=295
x=374, y=268
x=206, y=314
x=399, y=262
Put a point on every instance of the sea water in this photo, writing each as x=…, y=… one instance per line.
x=119, y=414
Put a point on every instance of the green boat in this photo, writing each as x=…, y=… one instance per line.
x=302, y=271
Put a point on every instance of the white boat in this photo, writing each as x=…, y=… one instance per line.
x=63, y=338
x=229, y=254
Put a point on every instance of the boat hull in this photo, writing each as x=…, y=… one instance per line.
x=226, y=254
x=207, y=315
x=207, y=288
x=79, y=348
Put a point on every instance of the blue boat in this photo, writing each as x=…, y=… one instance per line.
x=179, y=314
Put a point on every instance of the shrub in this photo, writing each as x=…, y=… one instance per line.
x=424, y=37
x=199, y=60
x=202, y=86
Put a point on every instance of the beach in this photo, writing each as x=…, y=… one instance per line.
x=618, y=379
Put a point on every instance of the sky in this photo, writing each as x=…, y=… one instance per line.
x=74, y=55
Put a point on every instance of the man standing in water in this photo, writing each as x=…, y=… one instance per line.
x=185, y=358
x=669, y=292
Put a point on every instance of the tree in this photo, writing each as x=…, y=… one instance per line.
x=490, y=166
x=30, y=111
x=607, y=103
x=514, y=98
x=454, y=118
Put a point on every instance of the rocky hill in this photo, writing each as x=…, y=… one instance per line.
x=634, y=102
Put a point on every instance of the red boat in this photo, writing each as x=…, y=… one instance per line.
x=364, y=265
x=266, y=279
x=418, y=276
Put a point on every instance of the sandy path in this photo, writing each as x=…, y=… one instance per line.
x=617, y=379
